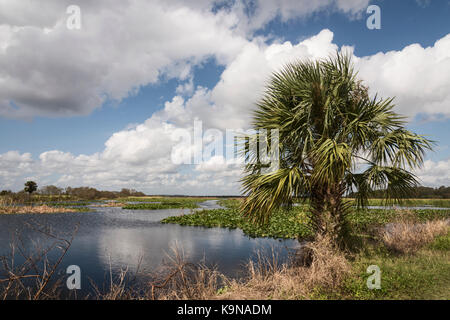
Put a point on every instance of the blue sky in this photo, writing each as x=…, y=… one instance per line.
x=73, y=125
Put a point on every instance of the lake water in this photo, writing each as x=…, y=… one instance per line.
x=117, y=238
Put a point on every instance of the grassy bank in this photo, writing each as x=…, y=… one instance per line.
x=10, y=206
x=37, y=198
x=40, y=209
x=425, y=274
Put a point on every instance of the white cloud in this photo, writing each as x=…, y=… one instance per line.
x=254, y=15
x=118, y=49
x=435, y=173
x=418, y=77
x=48, y=70
x=14, y=165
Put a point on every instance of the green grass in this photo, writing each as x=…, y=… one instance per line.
x=292, y=224
x=424, y=275
x=364, y=218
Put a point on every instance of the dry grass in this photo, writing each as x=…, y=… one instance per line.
x=9, y=206
x=112, y=204
x=267, y=279
x=176, y=279
x=182, y=280
x=36, y=278
x=407, y=236
x=33, y=209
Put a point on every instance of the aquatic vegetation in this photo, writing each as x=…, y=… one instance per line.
x=161, y=203
x=294, y=223
x=160, y=206
x=283, y=225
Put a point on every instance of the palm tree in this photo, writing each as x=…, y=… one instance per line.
x=334, y=139
x=30, y=187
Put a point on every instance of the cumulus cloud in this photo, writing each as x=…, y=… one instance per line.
x=435, y=173
x=49, y=70
x=14, y=165
x=416, y=76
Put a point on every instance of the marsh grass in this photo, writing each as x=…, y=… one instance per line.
x=150, y=203
x=407, y=236
x=42, y=209
x=37, y=277
x=267, y=279
x=175, y=279
x=161, y=206
x=10, y=206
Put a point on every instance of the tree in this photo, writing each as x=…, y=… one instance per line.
x=51, y=190
x=30, y=187
x=125, y=192
x=6, y=193
x=334, y=139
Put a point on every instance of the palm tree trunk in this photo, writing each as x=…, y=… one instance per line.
x=328, y=216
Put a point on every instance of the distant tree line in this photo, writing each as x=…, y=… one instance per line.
x=92, y=193
x=418, y=192
x=79, y=192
